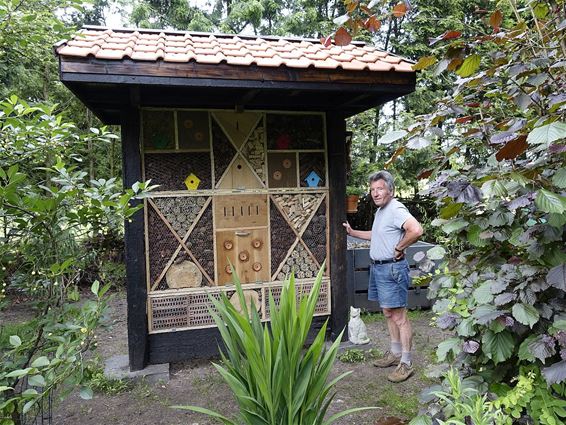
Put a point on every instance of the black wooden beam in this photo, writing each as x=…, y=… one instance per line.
x=134, y=242
x=336, y=140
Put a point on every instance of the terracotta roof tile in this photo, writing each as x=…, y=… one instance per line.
x=182, y=47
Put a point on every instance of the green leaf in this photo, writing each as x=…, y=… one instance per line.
x=498, y=346
x=15, y=341
x=86, y=393
x=549, y=202
x=18, y=373
x=470, y=66
x=474, y=232
x=37, y=381
x=525, y=314
x=447, y=346
x=466, y=327
x=559, y=178
x=28, y=405
x=524, y=352
x=436, y=253
x=424, y=62
x=547, y=133
x=483, y=294
x=4, y=388
x=454, y=225
x=95, y=286
x=40, y=362
x=451, y=210
x=391, y=137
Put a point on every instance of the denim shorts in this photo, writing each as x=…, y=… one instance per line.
x=389, y=284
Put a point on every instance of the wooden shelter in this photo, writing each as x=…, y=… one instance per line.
x=245, y=137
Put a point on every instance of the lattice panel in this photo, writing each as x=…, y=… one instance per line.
x=282, y=238
x=298, y=208
x=162, y=244
x=169, y=170
x=322, y=305
x=309, y=162
x=315, y=234
x=254, y=151
x=224, y=151
x=170, y=313
x=300, y=262
x=180, y=212
x=201, y=243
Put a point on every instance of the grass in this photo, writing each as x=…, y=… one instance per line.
x=100, y=383
x=406, y=405
x=368, y=317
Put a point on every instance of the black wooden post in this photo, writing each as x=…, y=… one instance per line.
x=336, y=139
x=134, y=243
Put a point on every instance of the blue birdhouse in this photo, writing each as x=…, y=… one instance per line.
x=313, y=179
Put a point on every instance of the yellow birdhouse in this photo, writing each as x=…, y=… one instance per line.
x=192, y=182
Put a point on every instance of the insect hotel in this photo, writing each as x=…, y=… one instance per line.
x=245, y=137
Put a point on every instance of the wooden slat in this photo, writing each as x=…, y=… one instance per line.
x=336, y=136
x=195, y=70
x=138, y=348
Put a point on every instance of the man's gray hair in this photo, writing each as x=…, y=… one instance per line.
x=385, y=176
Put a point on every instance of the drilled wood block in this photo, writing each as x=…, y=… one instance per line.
x=193, y=129
x=246, y=251
x=282, y=169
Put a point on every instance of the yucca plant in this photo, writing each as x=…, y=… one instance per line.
x=274, y=379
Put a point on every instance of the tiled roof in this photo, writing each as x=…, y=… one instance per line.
x=239, y=50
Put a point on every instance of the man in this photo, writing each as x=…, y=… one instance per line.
x=394, y=230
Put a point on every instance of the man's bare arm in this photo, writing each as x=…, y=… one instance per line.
x=413, y=231
x=362, y=234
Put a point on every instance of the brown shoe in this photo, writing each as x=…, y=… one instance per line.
x=401, y=373
x=388, y=359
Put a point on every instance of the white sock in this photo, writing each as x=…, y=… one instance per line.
x=396, y=348
x=406, y=357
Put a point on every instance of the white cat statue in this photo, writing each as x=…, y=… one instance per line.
x=357, y=332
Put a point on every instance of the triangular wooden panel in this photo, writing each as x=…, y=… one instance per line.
x=254, y=151
x=298, y=208
x=282, y=238
x=180, y=212
x=237, y=125
x=201, y=244
x=162, y=244
x=223, y=150
x=240, y=176
x=299, y=261
x=314, y=236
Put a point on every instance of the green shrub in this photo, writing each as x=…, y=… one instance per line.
x=275, y=380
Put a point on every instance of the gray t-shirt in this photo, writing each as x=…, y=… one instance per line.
x=387, y=229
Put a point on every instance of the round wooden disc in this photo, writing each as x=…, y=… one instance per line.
x=248, y=296
x=183, y=275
